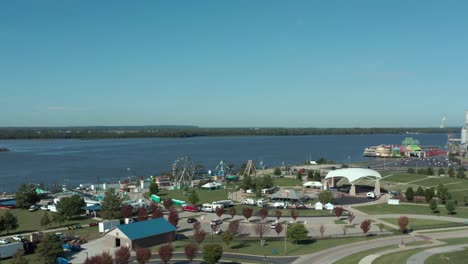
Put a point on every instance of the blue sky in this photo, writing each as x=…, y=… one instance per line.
x=233, y=63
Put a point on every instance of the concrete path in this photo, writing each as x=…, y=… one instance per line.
x=422, y=256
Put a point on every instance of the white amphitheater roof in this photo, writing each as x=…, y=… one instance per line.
x=353, y=174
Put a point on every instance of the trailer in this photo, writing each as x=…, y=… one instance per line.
x=9, y=250
x=106, y=226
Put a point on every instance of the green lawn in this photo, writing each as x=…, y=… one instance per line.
x=409, y=209
x=355, y=258
x=456, y=257
x=286, y=181
x=404, y=177
x=415, y=223
x=30, y=221
x=400, y=257
x=252, y=246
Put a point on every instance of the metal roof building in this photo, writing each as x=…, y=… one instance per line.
x=142, y=234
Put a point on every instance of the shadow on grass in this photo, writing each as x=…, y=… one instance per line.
x=242, y=244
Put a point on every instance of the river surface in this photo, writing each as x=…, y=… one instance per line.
x=75, y=161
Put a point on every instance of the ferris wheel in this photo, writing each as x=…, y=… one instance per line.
x=182, y=171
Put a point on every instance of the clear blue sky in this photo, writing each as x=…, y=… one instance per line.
x=233, y=63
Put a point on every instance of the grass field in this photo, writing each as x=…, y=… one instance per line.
x=30, y=221
x=404, y=177
x=409, y=209
x=252, y=246
x=415, y=223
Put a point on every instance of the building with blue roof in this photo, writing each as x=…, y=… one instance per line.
x=142, y=234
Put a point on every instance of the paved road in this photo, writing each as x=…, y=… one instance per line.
x=422, y=256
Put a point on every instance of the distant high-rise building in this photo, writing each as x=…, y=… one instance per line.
x=464, y=131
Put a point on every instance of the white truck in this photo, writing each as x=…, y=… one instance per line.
x=206, y=207
x=250, y=201
x=224, y=203
x=262, y=203
x=106, y=226
x=9, y=250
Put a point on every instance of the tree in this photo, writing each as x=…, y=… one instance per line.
x=168, y=203
x=403, y=222
x=153, y=188
x=59, y=219
x=299, y=175
x=325, y=197
x=191, y=251
x=278, y=228
x=122, y=255
x=45, y=220
x=173, y=217
x=261, y=228
x=232, y=212
x=143, y=255
x=234, y=227
x=219, y=211
x=212, y=253
x=409, y=194
x=268, y=181
x=277, y=172
x=297, y=232
x=126, y=211
x=263, y=213
x=419, y=191
x=246, y=182
x=310, y=175
x=227, y=237
x=461, y=174
x=429, y=194
x=430, y=171
x=199, y=236
x=411, y=170
x=156, y=213
x=247, y=212
x=142, y=214
x=338, y=211
x=104, y=258
x=71, y=206
x=365, y=226
x=193, y=197
x=322, y=230
x=450, y=206
x=165, y=252
x=433, y=205
x=441, y=171
x=451, y=172
x=294, y=214
x=278, y=214
x=110, y=205
x=50, y=248
x=10, y=222
x=351, y=217
x=26, y=196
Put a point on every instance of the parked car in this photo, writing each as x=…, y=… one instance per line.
x=45, y=207
x=191, y=220
x=371, y=195
x=33, y=208
x=190, y=208
x=273, y=225
x=18, y=238
x=4, y=241
x=216, y=222
x=218, y=232
x=93, y=224
x=301, y=206
x=280, y=205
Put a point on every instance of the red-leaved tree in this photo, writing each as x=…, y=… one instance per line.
x=339, y=211
x=142, y=214
x=278, y=228
x=126, y=211
x=199, y=236
x=168, y=204
x=143, y=255
x=196, y=226
x=232, y=211
x=278, y=214
x=104, y=258
x=263, y=213
x=294, y=214
x=365, y=226
x=247, y=212
x=234, y=227
x=191, y=251
x=122, y=255
x=219, y=211
x=261, y=228
x=157, y=213
x=173, y=217
x=403, y=222
x=165, y=252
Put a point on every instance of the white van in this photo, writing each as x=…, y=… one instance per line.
x=262, y=203
x=250, y=201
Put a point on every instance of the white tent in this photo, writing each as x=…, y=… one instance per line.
x=318, y=206
x=329, y=206
x=212, y=185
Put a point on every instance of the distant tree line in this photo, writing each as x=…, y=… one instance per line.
x=189, y=131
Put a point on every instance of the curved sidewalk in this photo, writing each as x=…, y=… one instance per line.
x=422, y=256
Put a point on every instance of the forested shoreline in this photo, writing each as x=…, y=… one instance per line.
x=189, y=131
